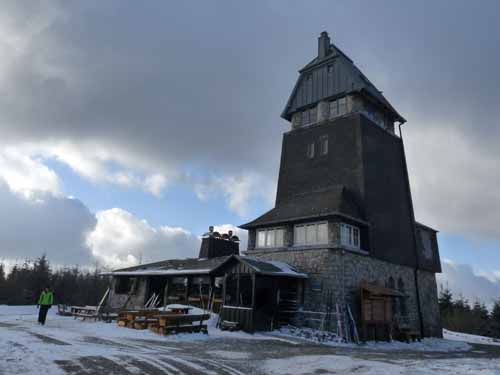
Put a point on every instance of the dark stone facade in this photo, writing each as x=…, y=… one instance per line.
x=341, y=272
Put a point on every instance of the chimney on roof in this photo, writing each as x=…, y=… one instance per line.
x=214, y=245
x=323, y=45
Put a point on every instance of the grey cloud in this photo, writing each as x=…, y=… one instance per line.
x=52, y=225
x=183, y=85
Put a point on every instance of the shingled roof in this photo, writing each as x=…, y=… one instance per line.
x=264, y=267
x=330, y=76
x=173, y=267
x=326, y=202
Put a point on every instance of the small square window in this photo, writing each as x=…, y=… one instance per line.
x=311, y=237
x=261, y=238
x=310, y=150
x=270, y=238
x=305, y=118
x=323, y=233
x=323, y=144
x=280, y=237
x=334, y=109
x=349, y=236
x=342, y=106
x=300, y=235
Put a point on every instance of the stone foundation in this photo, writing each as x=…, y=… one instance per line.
x=339, y=273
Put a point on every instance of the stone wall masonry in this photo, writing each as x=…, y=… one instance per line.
x=341, y=272
x=429, y=303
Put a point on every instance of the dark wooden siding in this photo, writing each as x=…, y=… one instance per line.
x=319, y=84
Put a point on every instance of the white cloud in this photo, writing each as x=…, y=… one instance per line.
x=238, y=190
x=120, y=239
x=25, y=174
x=462, y=280
x=23, y=167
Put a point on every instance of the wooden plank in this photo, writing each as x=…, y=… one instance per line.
x=185, y=329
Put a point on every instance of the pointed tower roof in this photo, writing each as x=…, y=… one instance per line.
x=329, y=75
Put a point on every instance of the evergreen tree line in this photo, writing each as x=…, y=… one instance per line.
x=72, y=286
x=457, y=314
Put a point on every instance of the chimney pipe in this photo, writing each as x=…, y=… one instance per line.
x=323, y=45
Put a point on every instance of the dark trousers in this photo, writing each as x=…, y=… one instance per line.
x=42, y=313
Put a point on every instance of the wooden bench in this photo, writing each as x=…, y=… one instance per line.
x=85, y=312
x=138, y=319
x=64, y=310
x=177, y=323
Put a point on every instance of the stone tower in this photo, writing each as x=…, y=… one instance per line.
x=343, y=185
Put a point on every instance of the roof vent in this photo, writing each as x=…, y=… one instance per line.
x=323, y=45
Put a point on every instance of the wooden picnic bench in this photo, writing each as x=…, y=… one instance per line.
x=177, y=323
x=127, y=318
x=85, y=312
x=64, y=310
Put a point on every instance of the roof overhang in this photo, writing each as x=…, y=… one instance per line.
x=168, y=272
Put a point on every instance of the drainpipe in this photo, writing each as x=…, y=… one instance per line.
x=414, y=229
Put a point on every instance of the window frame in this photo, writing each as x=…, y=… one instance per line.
x=343, y=106
x=275, y=236
x=309, y=116
x=311, y=150
x=334, y=109
x=305, y=227
x=323, y=151
x=350, y=236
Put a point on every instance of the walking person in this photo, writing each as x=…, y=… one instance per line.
x=44, y=304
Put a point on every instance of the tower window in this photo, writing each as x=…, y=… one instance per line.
x=323, y=145
x=334, y=108
x=349, y=235
x=311, y=234
x=274, y=237
x=309, y=116
x=310, y=150
x=342, y=106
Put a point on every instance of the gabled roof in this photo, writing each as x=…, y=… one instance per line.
x=315, y=83
x=316, y=204
x=264, y=267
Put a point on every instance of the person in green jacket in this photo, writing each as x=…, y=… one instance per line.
x=44, y=304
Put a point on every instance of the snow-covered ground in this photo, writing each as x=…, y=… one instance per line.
x=68, y=346
x=472, y=339
x=426, y=345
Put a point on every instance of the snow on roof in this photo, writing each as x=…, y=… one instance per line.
x=271, y=267
x=159, y=272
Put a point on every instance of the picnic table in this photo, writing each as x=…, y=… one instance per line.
x=84, y=312
x=177, y=323
x=128, y=318
x=179, y=309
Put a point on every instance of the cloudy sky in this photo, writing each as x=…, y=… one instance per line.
x=126, y=129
